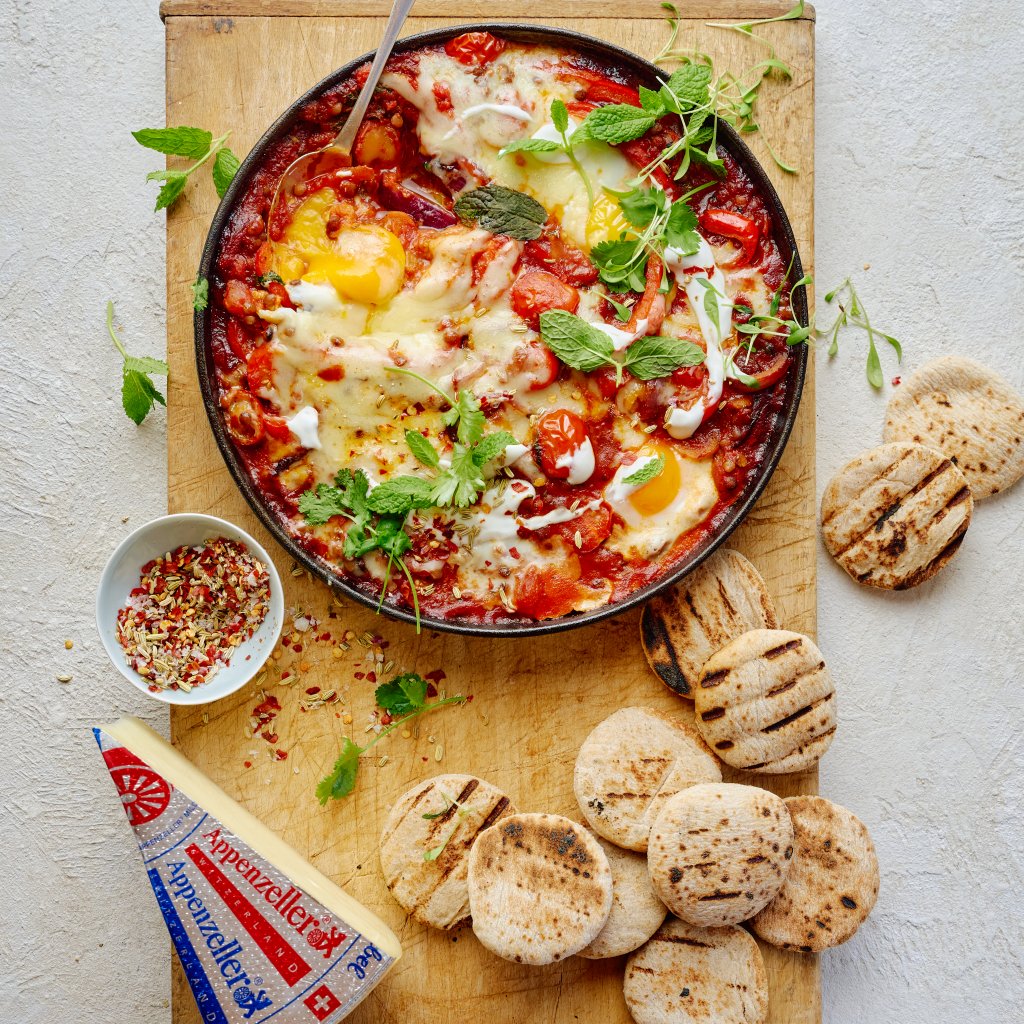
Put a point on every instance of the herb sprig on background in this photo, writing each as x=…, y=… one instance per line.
x=194, y=144
x=138, y=392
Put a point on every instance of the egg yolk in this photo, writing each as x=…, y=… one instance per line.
x=365, y=263
x=606, y=221
x=656, y=496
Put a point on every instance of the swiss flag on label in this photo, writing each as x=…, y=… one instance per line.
x=322, y=1002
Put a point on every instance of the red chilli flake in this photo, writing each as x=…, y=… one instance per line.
x=192, y=608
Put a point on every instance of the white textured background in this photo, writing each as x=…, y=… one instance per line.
x=920, y=150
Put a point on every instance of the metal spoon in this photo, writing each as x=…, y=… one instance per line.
x=338, y=153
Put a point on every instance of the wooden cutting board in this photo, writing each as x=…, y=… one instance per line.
x=236, y=64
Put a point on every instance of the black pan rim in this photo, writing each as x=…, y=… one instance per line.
x=734, y=514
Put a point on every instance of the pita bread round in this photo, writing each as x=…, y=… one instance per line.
x=895, y=515
x=766, y=702
x=719, y=853
x=630, y=764
x=446, y=811
x=683, y=627
x=636, y=912
x=967, y=412
x=832, y=885
x=692, y=975
x=540, y=888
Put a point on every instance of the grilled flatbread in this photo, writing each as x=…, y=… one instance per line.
x=766, y=702
x=718, y=601
x=434, y=891
x=719, y=853
x=967, y=412
x=833, y=882
x=630, y=764
x=636, y=912
x=540, y=888
x=692, y=975
x=895, y=515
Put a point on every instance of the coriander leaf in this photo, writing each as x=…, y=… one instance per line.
x=422, y=449
x=191, y=142
x=138, y=394
x=530, y=146
x=322, y=503
x=200, y=294
x=652, y=102
x=641, y=205
x=681, y=228
x=577, y=343
x=503, y=211
x=342, y=779
x=657, y=356
x=225, y=167
x=466, y=412
x=170, y=191
x=354, y=487
x=646, y=473
x=618, y=123
x=492, y=446
x=402, y=694
x=461, y=483
x=389, y=535
x=559, y=116
x=399, y=495
x=264, y=279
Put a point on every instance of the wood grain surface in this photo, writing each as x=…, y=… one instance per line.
x=231, y=66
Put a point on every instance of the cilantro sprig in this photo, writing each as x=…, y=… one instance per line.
x=138, y=392
x=194, y=144
x=583, y=346
x=405, y=696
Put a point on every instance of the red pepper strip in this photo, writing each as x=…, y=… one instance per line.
x=737, y=227
x=600, y=88
x=651, y=305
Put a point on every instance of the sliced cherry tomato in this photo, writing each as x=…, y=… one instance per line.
x=259, y=368
x=243, y=417
x=691, y=377
x=539, y=365
x=238, y=298
x=277, y=427
x=559, y=434
x=474, y=48
x=765, y=375
x=238, y=340
x=591, y=529
x=278, y=289
x=548, y=592
x=737, y=227
x=536, y=291
x=567, y=263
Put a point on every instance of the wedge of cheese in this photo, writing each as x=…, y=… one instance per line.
x=259, y=931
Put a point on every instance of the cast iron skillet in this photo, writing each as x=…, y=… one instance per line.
x=605, y=53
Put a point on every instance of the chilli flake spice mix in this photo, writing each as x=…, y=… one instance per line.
x=191, y=609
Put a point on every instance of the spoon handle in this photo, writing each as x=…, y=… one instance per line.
x=347, y=136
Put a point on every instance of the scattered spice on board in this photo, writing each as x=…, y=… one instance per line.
x=193, y=606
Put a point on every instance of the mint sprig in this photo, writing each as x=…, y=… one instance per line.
x=138, y=392
x=195, y=144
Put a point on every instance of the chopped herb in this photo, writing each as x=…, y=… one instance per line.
x=195, y=144
x=138, y=392
x=407, y=695
x=200, y=294
x=270, y=276
x=502, y=211
x=646, y=473
x=852, y=313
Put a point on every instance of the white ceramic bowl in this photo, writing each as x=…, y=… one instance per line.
x=122, y=573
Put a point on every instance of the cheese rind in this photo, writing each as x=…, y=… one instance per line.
x=259, y=931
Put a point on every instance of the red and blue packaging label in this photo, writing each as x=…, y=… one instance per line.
x=254, y=946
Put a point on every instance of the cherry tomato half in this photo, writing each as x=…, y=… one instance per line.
x=766, y=373
x=243, y=417
x=238, y=298
x=559, y=434
x=260, y=368
x=474, y=48
x=537, y=291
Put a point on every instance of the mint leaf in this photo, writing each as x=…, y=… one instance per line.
x=651, y=101
x=657, y=356
x=342, y=779
x=530, y=146
x=646, y=473
x=191, y=142
x=138, y=392
x=145, y=364
x=502, y=211
x=402, y=694
x=688, y=86
x=492, y=446
x=400, y=495
x=422, y=449
x=577, y=343
x=617, y=123
x=200, y=294
x=559, y=116
x=225, y=167
x=176, y=182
